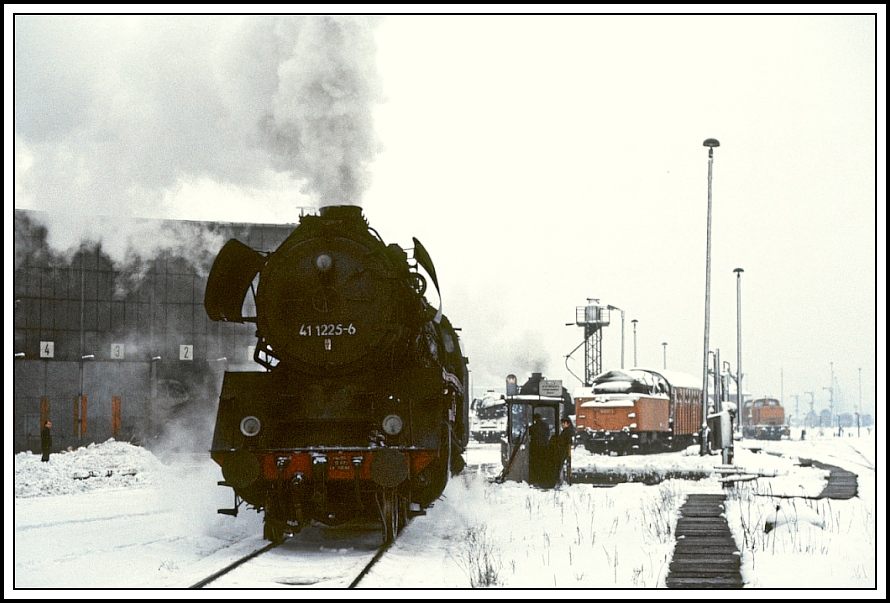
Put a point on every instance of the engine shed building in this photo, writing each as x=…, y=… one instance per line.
x=123, y=349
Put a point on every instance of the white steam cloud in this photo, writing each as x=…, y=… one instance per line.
x=120, y=116
x=320, y=124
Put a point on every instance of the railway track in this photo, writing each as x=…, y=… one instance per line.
x=216, y=575
x=306, y=561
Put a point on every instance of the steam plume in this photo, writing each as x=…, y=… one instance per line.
x=320, y=121
x=137, y=116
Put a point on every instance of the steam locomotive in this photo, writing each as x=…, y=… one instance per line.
x=363, y=409
x=638, y=410
x=764, y=419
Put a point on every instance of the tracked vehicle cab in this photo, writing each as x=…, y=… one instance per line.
x=521, y=458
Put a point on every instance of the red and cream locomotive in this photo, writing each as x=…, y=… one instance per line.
x=638, y=410
x=764, y=419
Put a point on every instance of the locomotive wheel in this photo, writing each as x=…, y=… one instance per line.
x=394, y=511
x=390, y=512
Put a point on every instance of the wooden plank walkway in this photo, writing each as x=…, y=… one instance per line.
x=842, y=484
x=705, y=555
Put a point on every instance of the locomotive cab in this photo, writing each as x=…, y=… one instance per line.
x=523, y=459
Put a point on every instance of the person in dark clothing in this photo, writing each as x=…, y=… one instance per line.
x=46, y=440
x=539, y=431
x=563, y=454
x=539, y=434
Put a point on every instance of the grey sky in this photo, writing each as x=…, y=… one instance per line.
x=541, y=160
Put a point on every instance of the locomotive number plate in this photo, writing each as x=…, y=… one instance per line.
x=607, y=411
x=326, y=330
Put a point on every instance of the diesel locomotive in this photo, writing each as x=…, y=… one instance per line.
x=764, y=419
x=638, y=410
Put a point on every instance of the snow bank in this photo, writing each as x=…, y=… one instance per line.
x=106, y=465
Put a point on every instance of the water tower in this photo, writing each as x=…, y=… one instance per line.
x=593, y=318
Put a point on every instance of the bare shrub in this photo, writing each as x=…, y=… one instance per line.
x=480, y=558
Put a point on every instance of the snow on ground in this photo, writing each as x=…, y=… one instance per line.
x=109, y=465
x=114, y=516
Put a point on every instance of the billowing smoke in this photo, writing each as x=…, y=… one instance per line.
x=531, y=355
x=320, y=124
x=123, y=124
x=189, y=116
x=54, y=240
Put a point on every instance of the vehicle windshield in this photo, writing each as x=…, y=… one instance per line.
x=521, y=416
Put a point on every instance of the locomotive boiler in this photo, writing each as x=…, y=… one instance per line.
x=638, y=410
x=362, y=410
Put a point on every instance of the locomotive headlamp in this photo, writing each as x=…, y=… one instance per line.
x=324, y=262
x=250, y=426
x=392, y=424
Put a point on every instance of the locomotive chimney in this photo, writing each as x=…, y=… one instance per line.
x=341, y=212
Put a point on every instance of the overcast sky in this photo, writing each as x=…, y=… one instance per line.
x=541, y=160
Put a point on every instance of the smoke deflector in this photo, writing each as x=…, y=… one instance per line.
x=423, y=258
x=231, y=276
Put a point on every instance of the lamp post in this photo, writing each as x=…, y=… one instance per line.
x=726, y=377
x=728, y=449
x=710, y=143
x=622, y=332
x=664, y=346
x=635, y=321
x=81, y=400
x=152, y=399
x=738, y=320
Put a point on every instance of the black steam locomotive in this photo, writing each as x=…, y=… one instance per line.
x=363, y=409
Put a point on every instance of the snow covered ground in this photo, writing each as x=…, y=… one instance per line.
x=114, y=516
